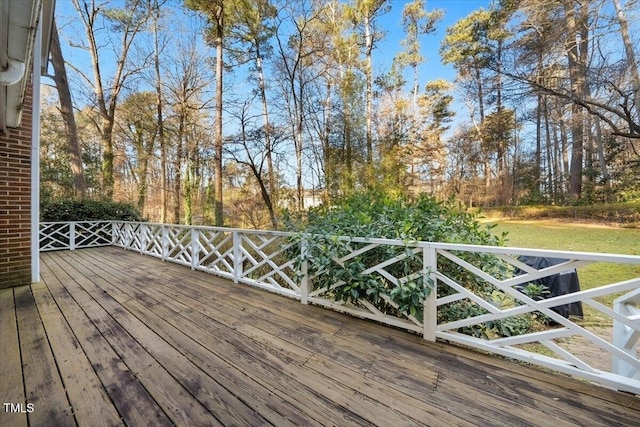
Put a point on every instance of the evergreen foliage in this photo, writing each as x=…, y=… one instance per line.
x=379, y=215
x=389, y=216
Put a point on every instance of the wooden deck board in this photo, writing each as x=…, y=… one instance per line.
x=408, y=377
x=216, y=398
x=42, y=381
x=12, y=385
x=154, y=343
x=89, y=400
x=130, y=399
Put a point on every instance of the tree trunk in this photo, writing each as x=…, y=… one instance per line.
x=177, y=185
x=369, y=88
x=502, y=144
x=298, y=141
x=564, y=142
x=326, y=155
x=107, y=158
x=537, y=170
x=218, y=211
x=631, y=58
x=267, y=140
x=485, y=149
x=602, y=160
x=549, y=151
x=348, y=146
x=575, y=52
x=66, y=109
x=257, y=174
x=163, y=148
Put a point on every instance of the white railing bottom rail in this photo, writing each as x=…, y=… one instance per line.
x=477, y=289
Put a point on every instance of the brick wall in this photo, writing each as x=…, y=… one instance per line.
x=15, y=201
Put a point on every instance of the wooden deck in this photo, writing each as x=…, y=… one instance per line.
x=111, y=337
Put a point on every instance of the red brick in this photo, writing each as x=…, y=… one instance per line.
x=15, y=201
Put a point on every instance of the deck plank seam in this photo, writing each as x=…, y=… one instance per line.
x=99, y=330
x=55, y=359
x=252, y=356
x=79, y=342
x=19, y=335
x=142, y=345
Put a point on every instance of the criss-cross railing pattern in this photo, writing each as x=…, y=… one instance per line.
x=472, y=287
x=266, y=259
x=128, y=235
x=215, y=251
x=74, y=235
x=626, y=333
x=151, y=242
x=382, y=260
x=556, y=353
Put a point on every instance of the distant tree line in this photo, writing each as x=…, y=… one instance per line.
x=230, y=112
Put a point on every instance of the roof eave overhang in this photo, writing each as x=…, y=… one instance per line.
x=16, y=44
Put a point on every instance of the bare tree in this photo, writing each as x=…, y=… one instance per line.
x=155, y=13
x=66, y=109
x=216, y=12
x=248, y=148
x=295, y=52
x=127, y=23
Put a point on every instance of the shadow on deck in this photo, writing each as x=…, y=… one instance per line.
x=112, y=337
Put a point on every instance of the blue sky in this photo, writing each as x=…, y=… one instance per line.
x=432, y=69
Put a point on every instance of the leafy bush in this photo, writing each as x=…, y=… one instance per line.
x=87, y=210
x=374, y=215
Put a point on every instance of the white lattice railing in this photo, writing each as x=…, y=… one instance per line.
x=485, y=281
x=565, y=342
x=74, y=235
x=244, y=256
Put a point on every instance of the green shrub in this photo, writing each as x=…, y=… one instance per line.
x=373, y=215
x=87, y=210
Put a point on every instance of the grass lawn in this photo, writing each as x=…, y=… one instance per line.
x=558, y=235
x=549, y=234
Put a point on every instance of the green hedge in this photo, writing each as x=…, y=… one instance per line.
x=88, y=210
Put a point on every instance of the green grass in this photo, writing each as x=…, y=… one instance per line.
x=545, y=234
x=556, y=235
x=627, y=213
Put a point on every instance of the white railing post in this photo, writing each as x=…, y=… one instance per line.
x=143, y=244
x=237, y=257
x=113, y=232
x=429, y=268
x=195, y=237
x=304, y=283
x=164, y=242
x=623, y=337
x=72, y=236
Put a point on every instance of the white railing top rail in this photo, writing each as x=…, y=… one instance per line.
x=210, y=228
x=505, y=250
